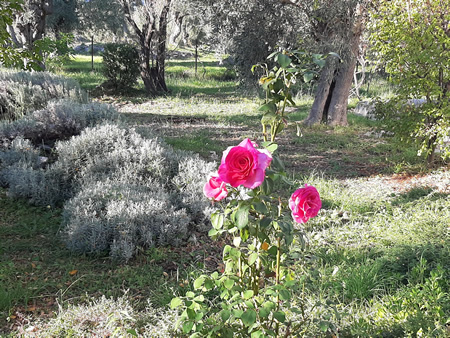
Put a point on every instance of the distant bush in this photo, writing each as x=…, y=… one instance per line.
x=120, y=64
x=57, y=121
x=24, y=92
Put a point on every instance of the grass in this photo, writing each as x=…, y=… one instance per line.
x=377, y=258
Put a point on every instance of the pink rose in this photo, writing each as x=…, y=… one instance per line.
x=305, y=203
x=244, y=164
x=215, y=188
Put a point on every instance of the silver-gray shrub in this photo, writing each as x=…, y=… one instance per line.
x=129, y=192
x=120, y=217
x=57, y=121
x=192, y=174
x=117, y=153
x=19, y=151
x=24, y=92
x=39, y=186
x=120, y=191
x=104, y=317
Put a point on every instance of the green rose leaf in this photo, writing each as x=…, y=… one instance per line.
x=285, y=295
x=237, y=313
x=268, y=107
x=249, y=317
x=187, y=326
x=308, y=76
x=241, y=216
x=284, y=60
x=267, y=186
x=280, y=316
x=198, y=283
x=252, y=258
x=225, y=314
x=175, y=302
x=265, y=222
x=248, y=294
x=260, y=207
x=217, y=220
x=228, y=283
x=264, y=312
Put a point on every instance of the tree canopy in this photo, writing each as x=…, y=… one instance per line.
x=413, y=40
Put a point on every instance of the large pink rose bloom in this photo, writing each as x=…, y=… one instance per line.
x=305, y=203
x=215, y=188
x=244, y=164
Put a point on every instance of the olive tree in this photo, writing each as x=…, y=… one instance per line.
x=247, y=30
x=10, y=55
x=148, y=20
x=413, y=40
x=333, y=26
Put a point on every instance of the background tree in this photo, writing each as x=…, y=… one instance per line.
x=10, y=55
x=248, y=31
x=333, y=26
x=148, y=20
x=64, y=18
x=103, y=19
x=413, y=40
x=29, y=23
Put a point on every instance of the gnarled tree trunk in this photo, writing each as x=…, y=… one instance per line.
x=330, y=103
x=152, y=33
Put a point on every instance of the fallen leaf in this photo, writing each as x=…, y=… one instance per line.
x=33, y=265
x=31, y=308
x=73, y=272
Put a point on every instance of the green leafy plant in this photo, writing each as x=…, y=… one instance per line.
x=413, y=42
x=56, y=52
x=277, y=82
x=121, y=64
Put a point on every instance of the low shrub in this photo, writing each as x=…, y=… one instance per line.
x=120, y=217
x=17, y=151
x=129, y=192
x=24, y=92
x=57, y=121
x=121, y=64
x=121, y=191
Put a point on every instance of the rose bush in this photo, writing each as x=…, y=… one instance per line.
x=254, y=286
x=244, y=165
x=305, y=203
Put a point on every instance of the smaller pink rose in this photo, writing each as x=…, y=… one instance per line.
x=305, y=203
x=215, y=188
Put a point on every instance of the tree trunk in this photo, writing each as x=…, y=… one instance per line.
x=151, y=34
x=319, y=109
x=146, y=71
x=331, y=100
x=161, y=49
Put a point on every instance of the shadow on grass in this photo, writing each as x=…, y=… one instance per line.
x=417, y=193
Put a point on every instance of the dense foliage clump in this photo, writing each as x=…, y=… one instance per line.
x=121, y=64
x=25, y=92
x=57, y=121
